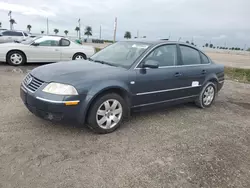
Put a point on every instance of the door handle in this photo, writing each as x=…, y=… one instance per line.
x=203, y=72
x=177, y=74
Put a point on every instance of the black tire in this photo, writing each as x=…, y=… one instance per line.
x=19, y=54
x=79, y=54
x=200, y=102
x=92, y=120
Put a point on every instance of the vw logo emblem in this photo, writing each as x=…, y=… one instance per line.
x=29, y=81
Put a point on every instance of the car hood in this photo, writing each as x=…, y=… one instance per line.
x=74, y=72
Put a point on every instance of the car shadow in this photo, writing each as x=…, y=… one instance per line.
x=135, y=116
x=24, y=69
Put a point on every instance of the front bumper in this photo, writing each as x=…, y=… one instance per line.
x=54, y=109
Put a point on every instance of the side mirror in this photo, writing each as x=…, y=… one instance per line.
x=151, y=64
x=35, y=44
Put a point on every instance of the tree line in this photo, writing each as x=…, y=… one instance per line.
x=88, y=29
x=220, y=47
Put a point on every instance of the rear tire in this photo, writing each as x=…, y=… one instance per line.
x=106, y=113
x=16, y=58
x=79, y=56
x=207, y=95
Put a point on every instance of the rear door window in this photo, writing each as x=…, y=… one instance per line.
x=190, y=56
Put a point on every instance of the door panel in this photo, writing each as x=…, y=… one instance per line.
x=43, y=54
x=194, y=72
x=156, y=85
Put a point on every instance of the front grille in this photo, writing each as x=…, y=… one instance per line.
x=32, y=83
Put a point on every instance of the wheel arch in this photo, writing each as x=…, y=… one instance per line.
x=112, y=89
x=15, y=50
x=212, y=78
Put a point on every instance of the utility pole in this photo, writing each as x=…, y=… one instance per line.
x=79, y=21
x=100, y=32
x=47, y=26
x=115, y=27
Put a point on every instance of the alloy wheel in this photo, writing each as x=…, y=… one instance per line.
x=109, y=114
x=208, y=95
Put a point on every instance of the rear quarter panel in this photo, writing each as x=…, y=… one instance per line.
x=215, y=72
x=68, y=52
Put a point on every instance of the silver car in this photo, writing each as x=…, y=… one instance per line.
x=43, y=49
x=11, y=36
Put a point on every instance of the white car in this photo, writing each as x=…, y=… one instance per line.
x=43, y=49
x=11, y=36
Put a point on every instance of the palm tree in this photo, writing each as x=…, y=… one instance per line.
x=12, y=22
x=42, y=32
x=66, y=32
x=56, y=31
x=77, y=29
x=127, y=35
x=29, y=27
x=88, y=31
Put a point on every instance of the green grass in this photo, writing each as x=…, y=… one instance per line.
x=242, y=75
x=97, y=49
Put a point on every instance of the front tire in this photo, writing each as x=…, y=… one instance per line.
x=107, y=113
x=16, y=58
x=207, y=95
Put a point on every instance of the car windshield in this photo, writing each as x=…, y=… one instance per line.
x=120, y=54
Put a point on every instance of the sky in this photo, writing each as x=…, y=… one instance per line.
x=221, y=22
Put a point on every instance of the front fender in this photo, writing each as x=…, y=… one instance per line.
x=99, y=88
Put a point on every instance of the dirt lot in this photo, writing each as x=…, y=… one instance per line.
x=231, y=60
x=181, y=146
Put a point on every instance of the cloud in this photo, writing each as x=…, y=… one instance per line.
x=202, y=20
x=26, y=10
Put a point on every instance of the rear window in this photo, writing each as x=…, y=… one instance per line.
x=12, y=33
x=65, y=42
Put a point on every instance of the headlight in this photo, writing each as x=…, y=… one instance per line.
x=60, y=89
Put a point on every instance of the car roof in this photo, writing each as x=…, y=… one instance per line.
x=51, y=37
x=157, y=41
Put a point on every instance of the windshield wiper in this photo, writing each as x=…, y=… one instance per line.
x=104, y=62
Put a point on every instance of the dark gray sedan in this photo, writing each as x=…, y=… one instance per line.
x=125, y=76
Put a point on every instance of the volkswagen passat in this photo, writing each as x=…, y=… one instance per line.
x=125, y=76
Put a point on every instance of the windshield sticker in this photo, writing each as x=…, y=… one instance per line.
x=139, y=46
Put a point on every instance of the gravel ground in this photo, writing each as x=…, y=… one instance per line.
x=181, y=146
